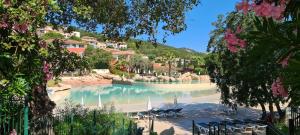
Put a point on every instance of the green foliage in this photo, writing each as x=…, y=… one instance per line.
x=282, y=127
x=97, y=58
x=75, y=38
x=124, y=19
x=138, y=62
x=148, y=49
x=26, y=61
x=52, y=35
x=86, y=121
x=241, y=79
x=202, y=71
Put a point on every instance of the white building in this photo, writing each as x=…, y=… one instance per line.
x=74, y=33
x=101, y=45
x=47, y=29
x=116, y=45
x=90, y=40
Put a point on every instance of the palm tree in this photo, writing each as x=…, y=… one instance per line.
x=169, y=58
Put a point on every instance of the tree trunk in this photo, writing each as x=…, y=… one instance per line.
x=271, y=112
x=41, y=104
x=281, y=113
x=170, y=66
x=264, y=111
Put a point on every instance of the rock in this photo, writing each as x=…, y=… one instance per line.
x=61, y=87
x=195, y=77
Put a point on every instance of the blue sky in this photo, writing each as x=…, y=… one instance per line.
x=199, y=24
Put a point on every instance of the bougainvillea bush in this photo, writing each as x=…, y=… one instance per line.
x=254, y=56
x=26, y=61
x=276, y=37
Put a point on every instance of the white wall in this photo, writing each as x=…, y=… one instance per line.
x=101, y=71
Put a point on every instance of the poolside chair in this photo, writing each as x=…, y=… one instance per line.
x=143, y=115
x=174, y=112
x=140, y=131
x=203, y=128
x=214, y=126
x=134, y=116
x=158, y=113
x=250, y=121
x=261, y=129
x=228, y=124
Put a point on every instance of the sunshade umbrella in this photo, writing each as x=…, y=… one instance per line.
x=99, y=101
x=82, y=102
x=149, y=106
x=175, y=101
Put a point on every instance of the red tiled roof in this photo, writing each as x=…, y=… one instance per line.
x=69, y=41
x=118, y=52
x=76, y=50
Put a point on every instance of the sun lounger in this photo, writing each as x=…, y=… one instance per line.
x=261, y=129
x=214, y=126
x=203, y=128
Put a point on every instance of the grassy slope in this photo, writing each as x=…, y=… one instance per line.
x=148, y=49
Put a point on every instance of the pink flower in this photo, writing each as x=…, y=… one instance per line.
x=243, y=6
x=233, y=42
x=278, y=88
x=285, y=62
x=232, y=48
x=46, y=70
x=282, y=2
x=242, y=43
x=7, y=2
x=3, y=25
x=43, y=44
x=46, y=67
x=277, y=12
x=48, y=76
x=268, y=10
x=13, y=132
x=21, y=28
x=263, y=10
x=238, y=30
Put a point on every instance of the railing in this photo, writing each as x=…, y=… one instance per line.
x=221, y=129
x=13, y=115
x=14, y=118
x=271, y=130
x=294, y=122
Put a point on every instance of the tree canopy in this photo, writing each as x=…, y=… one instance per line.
x=124, y=18
x=27, y=62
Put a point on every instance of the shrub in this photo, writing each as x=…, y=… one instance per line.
x=75, y=38
x=84, y=121
x=52, y=35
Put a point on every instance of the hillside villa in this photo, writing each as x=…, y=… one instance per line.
x=116, y=45
x=75, y=46
x=117, y=53
x=47, y=29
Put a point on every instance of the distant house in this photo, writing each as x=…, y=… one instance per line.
x=74, y=33
x=101, y=45
x=47, y=29
x=117, y=54
x=93, y=42
x=74, y=46
x=42, y=31
x=116, y=45
x=122, y=45
x=90, y=40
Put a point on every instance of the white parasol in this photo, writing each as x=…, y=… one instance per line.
x=149, y=106
x=99, y=101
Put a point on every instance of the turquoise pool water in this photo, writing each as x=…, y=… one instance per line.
x=138, y=94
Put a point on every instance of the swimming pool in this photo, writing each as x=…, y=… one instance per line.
x=126, y=97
